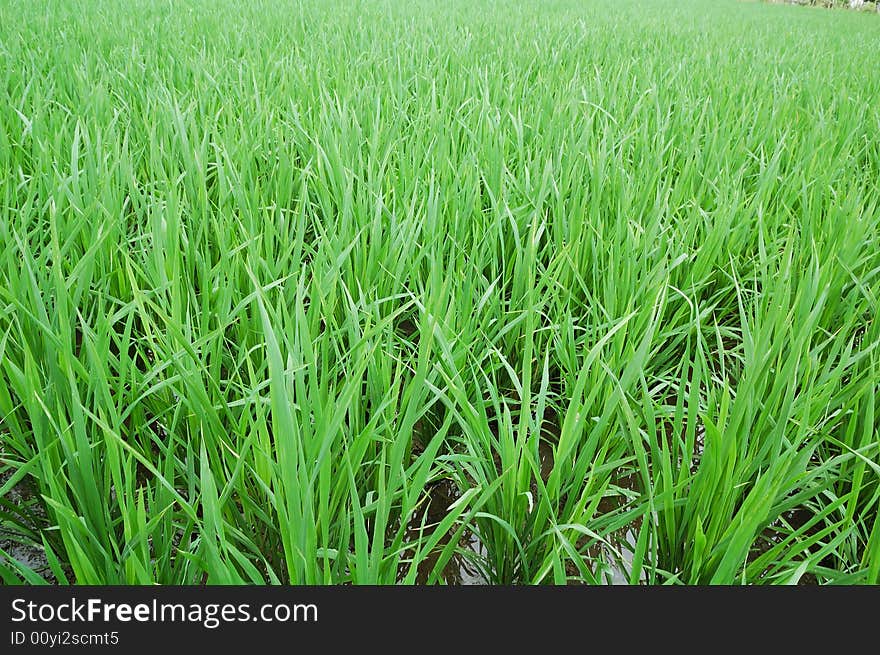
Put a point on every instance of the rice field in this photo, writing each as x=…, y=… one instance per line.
x=439, y=292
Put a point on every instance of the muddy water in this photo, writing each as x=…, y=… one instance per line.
x=611, y=562
x=461, y=569
x=15, y=545
x=776, y=532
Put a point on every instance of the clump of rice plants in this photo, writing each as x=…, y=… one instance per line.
x=387, y=290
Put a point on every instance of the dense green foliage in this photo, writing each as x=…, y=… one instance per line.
x=274, y=273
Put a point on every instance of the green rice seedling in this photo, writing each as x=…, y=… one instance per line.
x=381, y=292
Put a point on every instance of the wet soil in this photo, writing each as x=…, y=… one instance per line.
x=14, y=540
x=461, y=568
x=775, y=533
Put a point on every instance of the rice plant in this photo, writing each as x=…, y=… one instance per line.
x=407, y=291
